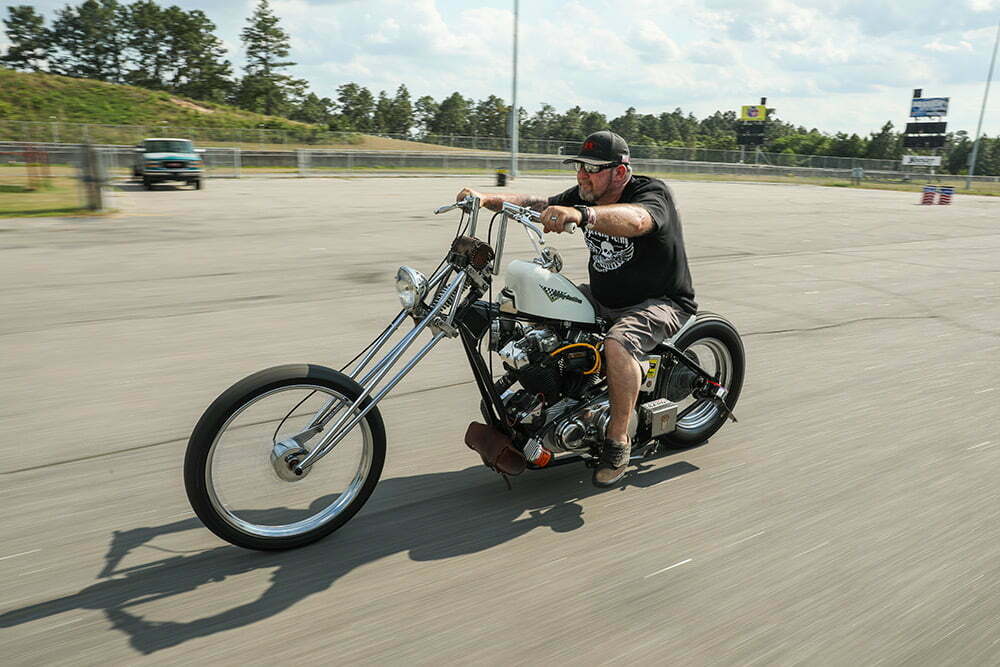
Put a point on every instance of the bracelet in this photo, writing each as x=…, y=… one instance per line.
x=587, y=216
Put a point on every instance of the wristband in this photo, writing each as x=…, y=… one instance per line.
x=587, y=215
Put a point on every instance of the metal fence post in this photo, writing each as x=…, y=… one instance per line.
x=302, y=158
x=237, y=162
x=92, y=177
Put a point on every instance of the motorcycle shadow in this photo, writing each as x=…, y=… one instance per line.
x=457, y=523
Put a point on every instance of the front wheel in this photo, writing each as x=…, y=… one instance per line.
x=237, y=470
x=714, y=344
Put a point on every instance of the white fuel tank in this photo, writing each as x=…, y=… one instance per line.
x=540, y=292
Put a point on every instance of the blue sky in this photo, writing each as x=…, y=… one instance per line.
x=838, y=65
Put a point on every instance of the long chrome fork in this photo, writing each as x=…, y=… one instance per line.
x=334, y=405
x=346, y=422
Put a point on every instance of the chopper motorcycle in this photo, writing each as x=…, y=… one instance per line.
x=289, y=454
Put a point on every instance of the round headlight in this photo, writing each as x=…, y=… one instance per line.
x=411, y=286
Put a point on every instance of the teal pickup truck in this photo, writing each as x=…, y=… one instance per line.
x=168, y=159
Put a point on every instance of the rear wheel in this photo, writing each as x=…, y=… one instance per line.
x=238, y=468
x=714, y=344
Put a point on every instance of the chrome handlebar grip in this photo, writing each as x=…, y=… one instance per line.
x=466, y=204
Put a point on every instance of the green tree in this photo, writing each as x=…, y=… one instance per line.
x=147, y=35
x=627, y=125
x=424, y=111
x=265, y=87
x=956, y=161
x=382, y=113
x=843, y=145
x=29, y=40
x=356, y=106
x=593, y=121
x=313, y=109
x=200, y=70
x=399, y=119
x=90, y=41
x=884, y=144
x=542, y=124
x=452, y=116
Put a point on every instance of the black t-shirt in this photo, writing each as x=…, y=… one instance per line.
x=625, y=271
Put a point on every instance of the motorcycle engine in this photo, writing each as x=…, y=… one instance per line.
x=555, y=370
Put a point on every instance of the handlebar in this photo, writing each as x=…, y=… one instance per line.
x=525, y=215
x=464, y=204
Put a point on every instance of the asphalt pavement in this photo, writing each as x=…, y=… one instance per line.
x=850, y=517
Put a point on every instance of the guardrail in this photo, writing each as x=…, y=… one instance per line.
x=236, y=163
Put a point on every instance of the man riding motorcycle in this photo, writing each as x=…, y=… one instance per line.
x=639, y=277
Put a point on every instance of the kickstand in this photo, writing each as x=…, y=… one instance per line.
x=726, y=410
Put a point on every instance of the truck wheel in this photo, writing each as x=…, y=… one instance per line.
x=146, y=183
x=198, y=185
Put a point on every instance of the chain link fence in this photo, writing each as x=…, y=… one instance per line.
x=78, y=173
x=58, y=132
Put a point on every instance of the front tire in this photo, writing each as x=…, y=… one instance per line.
x=230, y=475
x=715, y=345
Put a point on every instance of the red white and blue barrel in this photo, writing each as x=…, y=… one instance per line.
x=928, y=198
x=946, y=192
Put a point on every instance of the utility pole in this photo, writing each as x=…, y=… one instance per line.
x=979, y=127
x=514, y=115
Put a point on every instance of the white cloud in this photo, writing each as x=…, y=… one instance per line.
x=833, y=64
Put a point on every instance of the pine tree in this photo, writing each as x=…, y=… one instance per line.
x=90, y=41
x=29, y=40
x=356, y=106
x=200, y=70
x=147, y=35
x=489, y=117
x=401, y=112
x=884, y=145
x=452, y=115
x=424, y=111
x=264, y=87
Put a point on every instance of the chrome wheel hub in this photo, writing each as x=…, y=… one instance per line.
x=285, y=456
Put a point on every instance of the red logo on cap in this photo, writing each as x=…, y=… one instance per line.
x=588, y=145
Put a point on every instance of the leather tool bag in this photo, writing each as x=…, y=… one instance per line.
x=495, y=448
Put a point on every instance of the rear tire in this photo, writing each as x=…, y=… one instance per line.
x=719, y=349
x=265, y=517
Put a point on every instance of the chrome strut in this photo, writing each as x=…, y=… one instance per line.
x=346, y=422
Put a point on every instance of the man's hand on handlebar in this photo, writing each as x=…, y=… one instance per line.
x=492, y=202
x=555, y=218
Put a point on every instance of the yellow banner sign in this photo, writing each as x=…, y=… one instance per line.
x=754, y=112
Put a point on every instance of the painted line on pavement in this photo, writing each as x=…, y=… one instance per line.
x=668, y=568
x=745, y=539
x=23, y=553
x=982, y=444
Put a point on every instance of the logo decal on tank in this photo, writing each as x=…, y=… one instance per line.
x=554, y=295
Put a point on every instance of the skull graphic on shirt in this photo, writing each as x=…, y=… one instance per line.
x=609, y=252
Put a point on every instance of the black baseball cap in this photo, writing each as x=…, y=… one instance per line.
x=601, y=148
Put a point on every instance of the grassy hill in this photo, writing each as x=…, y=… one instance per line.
x=39, y=96
x=56, y=103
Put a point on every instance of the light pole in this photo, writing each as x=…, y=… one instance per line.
x=514, y=115
x=979, y=127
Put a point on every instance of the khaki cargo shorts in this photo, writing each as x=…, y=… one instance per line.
x=641, y=327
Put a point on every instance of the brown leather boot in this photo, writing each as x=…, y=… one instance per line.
x=612, y=463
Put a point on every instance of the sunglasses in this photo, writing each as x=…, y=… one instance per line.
x=595, y=168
